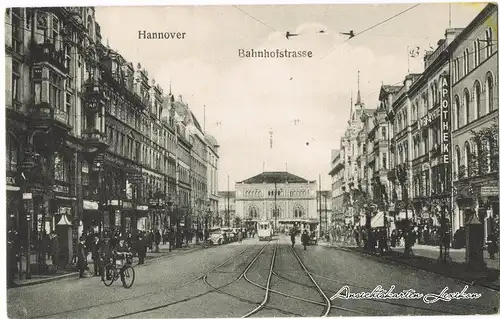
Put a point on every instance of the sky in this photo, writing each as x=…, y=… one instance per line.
x=247, y=98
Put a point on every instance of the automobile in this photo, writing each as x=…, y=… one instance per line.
x=216, y=236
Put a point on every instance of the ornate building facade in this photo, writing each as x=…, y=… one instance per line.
x=92, y=141
x=277, y=197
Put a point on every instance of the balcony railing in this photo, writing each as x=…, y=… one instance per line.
x=47, y=53
x=94, y=135
x=43, y=112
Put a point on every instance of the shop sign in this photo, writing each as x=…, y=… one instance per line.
x=60, y=189
x=114, y=202
x=90, y=205
x=64, y=210
x=27, y=196
x=127, y=204
x=142, y=207
x=445, y=119
x=487, y=191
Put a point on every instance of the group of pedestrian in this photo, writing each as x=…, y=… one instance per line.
x=304, y=238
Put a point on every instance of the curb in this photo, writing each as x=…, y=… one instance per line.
x=46, y=280
x=400, y=263
x=76, y=274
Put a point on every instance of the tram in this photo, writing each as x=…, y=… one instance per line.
x=264, y=230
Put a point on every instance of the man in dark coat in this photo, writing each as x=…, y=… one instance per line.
x=292, y=236
x=171, y=239
x=305, y=239
x=141, y=249
x=95, y=255
x=82, y=256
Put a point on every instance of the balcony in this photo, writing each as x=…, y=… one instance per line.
x=94, y=97
x=94, y=140
x=47, y=53
x=43, y=116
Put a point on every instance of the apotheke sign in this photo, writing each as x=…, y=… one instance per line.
x=445, y=119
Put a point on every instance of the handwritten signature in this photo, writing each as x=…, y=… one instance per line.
x=409, y=294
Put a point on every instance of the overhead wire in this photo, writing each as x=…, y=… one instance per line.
x=368, y=29
x=258, y=20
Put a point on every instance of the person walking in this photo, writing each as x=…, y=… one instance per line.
x=240, y=235
x=157, y=241
x=82, y=256
x=95, y=255
x=292, y=236
x=305, y=239
x=171, y=239
x=141, y=249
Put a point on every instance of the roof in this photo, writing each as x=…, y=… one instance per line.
x=391, y=88
x=223, y=194
x=274, y=177
x=211, y=140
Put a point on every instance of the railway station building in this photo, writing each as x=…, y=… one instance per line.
x=282, y=198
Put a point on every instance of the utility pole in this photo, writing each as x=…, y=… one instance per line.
x=227, y=212
x=275, y=206
x=319, y=228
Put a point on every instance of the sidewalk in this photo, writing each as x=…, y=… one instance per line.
x=66, y=274
x=426, y=258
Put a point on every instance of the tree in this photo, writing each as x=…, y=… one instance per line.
x=485, y=159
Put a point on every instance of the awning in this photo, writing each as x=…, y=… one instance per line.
x=378, y=220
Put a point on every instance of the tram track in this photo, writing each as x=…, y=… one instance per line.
x=153, y=293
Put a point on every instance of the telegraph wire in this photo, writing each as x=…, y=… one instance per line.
x=388, y=19
x=368, y=29
x=251, y=16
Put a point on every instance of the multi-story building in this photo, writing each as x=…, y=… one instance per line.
x=386, y=99
x=212, y=178
x=199, y=198
x=92, y=142
x=184, y=145
x=53, y=126
x=279, y=197
x=474, y=121
x=337, y=175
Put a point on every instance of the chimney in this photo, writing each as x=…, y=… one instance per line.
x=452, y=33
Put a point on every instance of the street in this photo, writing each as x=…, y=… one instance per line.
x=235, y=280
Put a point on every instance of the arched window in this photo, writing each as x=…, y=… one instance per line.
x=468, y=159
x=489, y=93
x=61, y=168
x=298, y=211
x=12, y=153
x=477, y=52
x=457, y=162
x=468, y=110
x=456, y=112
x=478, y=110
x=489, y=42
x=466, y=62
x=252, y=212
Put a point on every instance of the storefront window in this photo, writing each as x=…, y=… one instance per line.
x=61, y=168
x=12, y=154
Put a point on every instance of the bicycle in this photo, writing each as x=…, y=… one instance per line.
x=125, y=272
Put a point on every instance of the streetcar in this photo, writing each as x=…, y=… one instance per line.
x=264, y=231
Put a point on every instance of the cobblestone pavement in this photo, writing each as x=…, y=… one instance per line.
x=262, y=279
